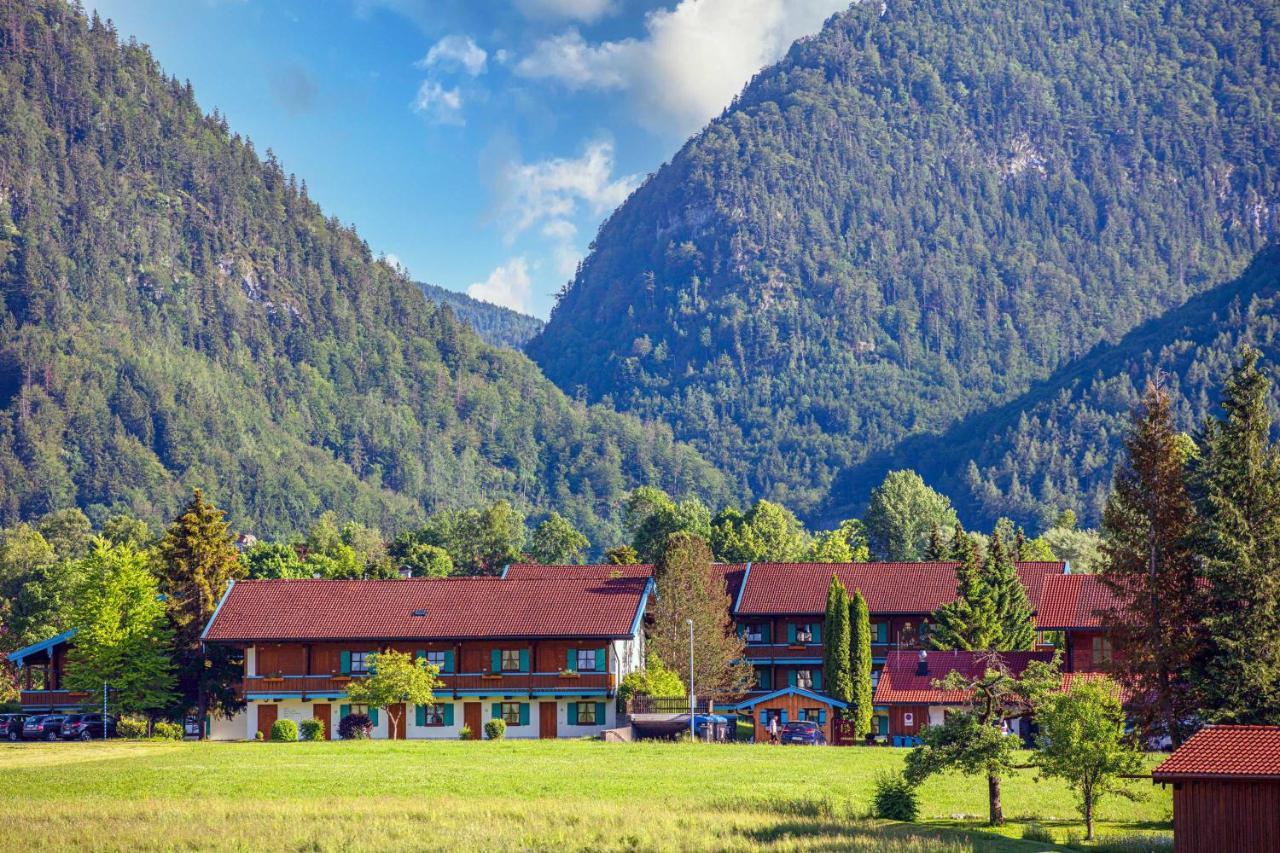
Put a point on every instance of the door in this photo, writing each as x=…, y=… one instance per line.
x=547, y=719
x=471, y=718
x=267, y=719
x=396, y=712
x=322, y=712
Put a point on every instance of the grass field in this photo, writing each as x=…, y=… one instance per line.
x=507, y=795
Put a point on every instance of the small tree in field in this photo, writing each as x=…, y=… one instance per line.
x=397, y=677
x=1082, y=742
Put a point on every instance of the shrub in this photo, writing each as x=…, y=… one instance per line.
x=495, y=729
x=284, y=730
x=311, y=729
x=131, y=727
x=168, y=731
x=464, y=733
x=355, y=727
x=258, y=736
x=1036, y=832
x=10, y=707
x=1136, y=844
x=895, y=798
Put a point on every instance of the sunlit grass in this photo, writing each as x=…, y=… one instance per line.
x=516, y=794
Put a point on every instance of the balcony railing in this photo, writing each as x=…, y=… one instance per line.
x=509, y=682
x=33, y=700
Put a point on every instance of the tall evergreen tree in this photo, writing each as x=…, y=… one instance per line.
x=837, y=662
x=937, y=549
x=1151, y=570
x=860, y=639
x=1015, y=629
x=1237, y=484
x=197, y=561
x=969, y=623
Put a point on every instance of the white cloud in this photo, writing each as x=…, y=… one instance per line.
x=692, y=61
x=440, y=105
x=456, y=51
x=508, y=286
x=577, y=10
x=550, y=191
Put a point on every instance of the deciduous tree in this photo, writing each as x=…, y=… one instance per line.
x=397, y=679
x=556, y=541
x=901, y=513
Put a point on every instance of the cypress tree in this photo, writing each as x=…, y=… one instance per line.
x=1014, y=628
x=836, y=661
x=860, y=639
x=969, y=623
x=1150, y=569
x=1237, y=483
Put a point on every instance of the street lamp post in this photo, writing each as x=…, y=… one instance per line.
x=693, y=734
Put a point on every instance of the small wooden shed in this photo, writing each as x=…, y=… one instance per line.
x=1226, y=790
x=790, y=704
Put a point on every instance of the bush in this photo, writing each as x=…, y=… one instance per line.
x=1136, y=844
x=495, y=729
x=895, y=798
x=464, y=733
x=284, y=731
x=355, y=727
x=311, y=729
x=131, y=727
x=10, y=707
x=1036, y=832
x=258, y=736
x=168, y=731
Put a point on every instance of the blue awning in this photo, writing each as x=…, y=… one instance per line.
x=21, y=655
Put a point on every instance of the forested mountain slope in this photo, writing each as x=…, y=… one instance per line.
x=496, y=325
x=920, y=212
x=177, y=313
x=1057, y=445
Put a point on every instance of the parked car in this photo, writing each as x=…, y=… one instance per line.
x=43, y=727
x=11, y=726
x=802, y=732
x=88, y=727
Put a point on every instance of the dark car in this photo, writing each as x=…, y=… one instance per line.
x=42, y=727
x=802, y=732
x=11, y=726
x=88, y=727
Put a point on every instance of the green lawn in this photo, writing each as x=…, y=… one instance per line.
x=530, y=794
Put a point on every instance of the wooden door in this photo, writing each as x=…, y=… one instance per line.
x=397, y=712
x=324, y=713
x=267, y=719
x=471, y=717
x=547, y=719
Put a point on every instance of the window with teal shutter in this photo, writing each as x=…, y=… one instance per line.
x=344, y=711
x=573, y=712
x=817, y=634
x=497, y=710
x=524, y=713
x=496, y=660
x=766, y=633
x=782, y=717
x=764, y=678
x=764, y=719
x=817, y=679
x=420, y=654
x=791, y=633
x=448, y=714
x=420, y=717
x=822, y=717
x=600, y=660
x=373, y=716
x=571, y=660
x=600, y=718
x=524, y=660
x=346, y=663
x=791, y=678
x=448, y=662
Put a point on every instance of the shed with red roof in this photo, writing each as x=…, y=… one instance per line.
x=1226, y=790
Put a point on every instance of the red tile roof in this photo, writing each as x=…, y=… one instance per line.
x=731, y=572
x=899, y=683
x=1225, y=752
x=795, y=589
x=1073, y=601
x=456, y=608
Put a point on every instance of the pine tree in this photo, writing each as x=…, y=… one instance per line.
x=860, y=639
x=837, y=675
x=1015, y=630
x=1237, y=483
x=970, y=622
x=1150, y=568
x=197, y=562
x=936, y=549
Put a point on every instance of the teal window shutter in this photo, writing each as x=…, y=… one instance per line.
x=822, y=717
x=346, y=663
x=497, y=710
x=448, y=714
x=600, y=660
x=420, y=654
x=524, y=660
x=373, y=716
x=573, y=711
x=791, y=632
x=344, y=711
x=524, y=713
x=817, y=679
x=496, y=659
x=448, y=662
x=600, y=714
x=571, y=662
x=817, y=633
x=764, y=719
x=421, y=715
x=766, y=633
x=791, y=678
x=782, y=717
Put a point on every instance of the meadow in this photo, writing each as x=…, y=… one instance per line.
x=542, y=795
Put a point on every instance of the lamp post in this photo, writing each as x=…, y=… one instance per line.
x=693, y=734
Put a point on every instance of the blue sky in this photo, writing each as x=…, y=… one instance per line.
x=479, y=143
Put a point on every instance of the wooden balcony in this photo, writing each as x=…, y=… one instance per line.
x=510, y=683
x=49, y=700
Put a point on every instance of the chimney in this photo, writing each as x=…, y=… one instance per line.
x=922, y=663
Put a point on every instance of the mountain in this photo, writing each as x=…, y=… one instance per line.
x=1056, y=445
x=496, y=326
x=178, y=313
x=919, y=213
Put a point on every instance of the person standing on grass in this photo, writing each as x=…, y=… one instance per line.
x=773, y=728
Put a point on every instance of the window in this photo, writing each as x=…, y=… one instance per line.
x=764, y=678
x=754, y=634
x=804, y=678
x=511, y=712
x=360, y=662
x=813, y=715
x=1101, y=650
x=510, y=661
x=433, y=716
x=875, y=679
x=804, y=633
x=586, y=660
x=880, y=632
x=587, y=714
x=359, y=709
x=438, y=659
